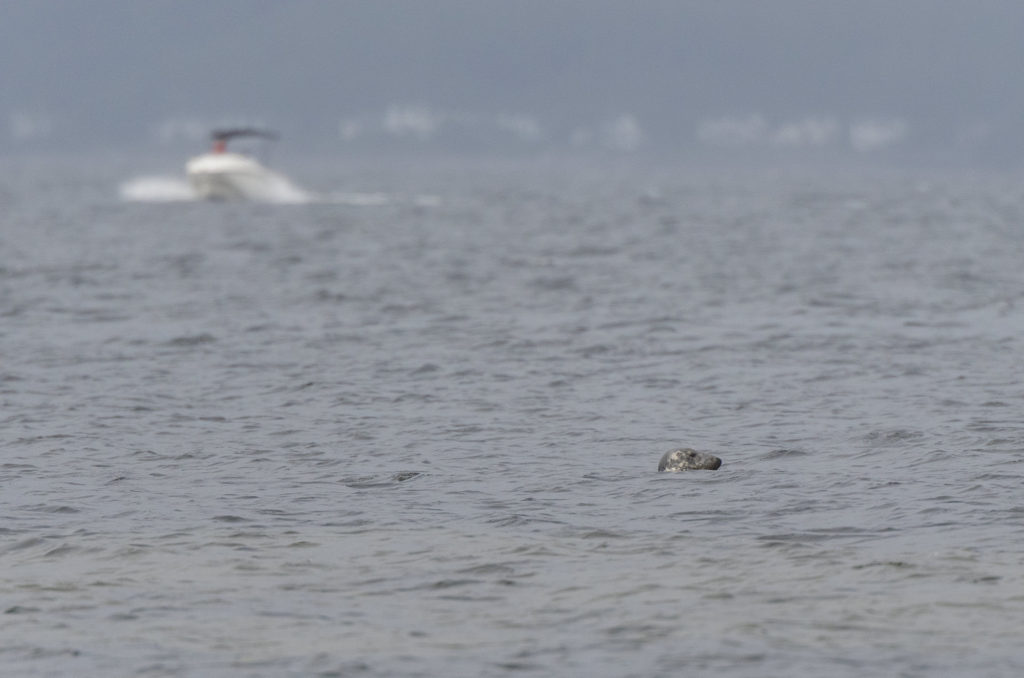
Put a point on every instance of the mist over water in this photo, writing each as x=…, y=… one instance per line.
x=418, y=434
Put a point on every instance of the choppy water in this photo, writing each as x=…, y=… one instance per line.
x=401, y=437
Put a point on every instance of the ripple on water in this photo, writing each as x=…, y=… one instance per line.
x=289, y=441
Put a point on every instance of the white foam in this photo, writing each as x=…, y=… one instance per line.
x=274, y=188
x=156, y=189
x=278, y=189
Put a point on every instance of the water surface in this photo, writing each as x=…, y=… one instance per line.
x=417, y=435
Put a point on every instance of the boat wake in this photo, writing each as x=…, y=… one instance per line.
x=273, y=189
x=169, y=189
x=156, y=189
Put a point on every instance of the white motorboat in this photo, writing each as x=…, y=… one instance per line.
x=224, y=175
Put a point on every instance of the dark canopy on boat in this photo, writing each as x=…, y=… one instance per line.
x=226, y=134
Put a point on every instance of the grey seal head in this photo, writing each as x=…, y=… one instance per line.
x=685, y=459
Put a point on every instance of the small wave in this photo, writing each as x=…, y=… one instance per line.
x=192, y=340
x=784, y=453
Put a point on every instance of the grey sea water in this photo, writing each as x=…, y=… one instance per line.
x=416, y=432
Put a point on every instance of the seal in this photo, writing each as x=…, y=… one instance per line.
x=685, y=459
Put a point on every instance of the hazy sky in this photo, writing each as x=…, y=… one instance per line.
x=931, y=80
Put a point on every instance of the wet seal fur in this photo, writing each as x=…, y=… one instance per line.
x=685, y=459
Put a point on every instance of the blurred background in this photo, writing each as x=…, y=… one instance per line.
x=919, y=82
